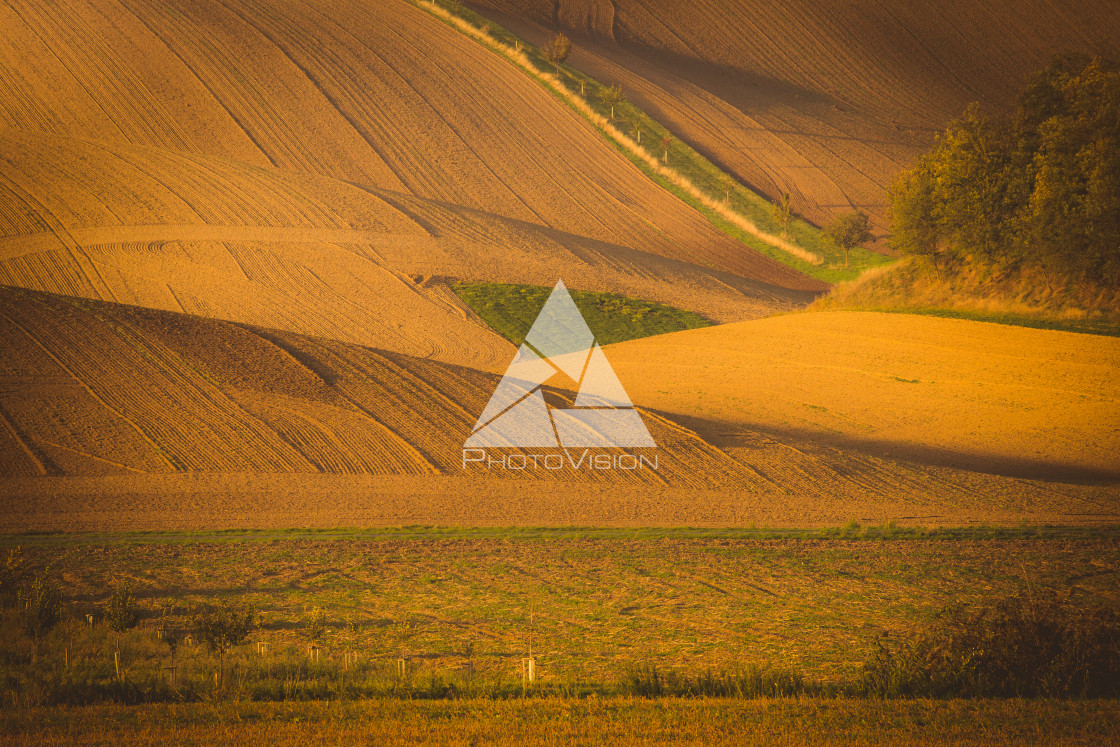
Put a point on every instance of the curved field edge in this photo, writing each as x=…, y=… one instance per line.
x=510, y=309
x=1087, y=327
x=729, y=206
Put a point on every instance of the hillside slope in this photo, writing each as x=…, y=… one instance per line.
x=1026, y=402
x=308, y=254
x=115, y=417
x=826, y=100
x=375, y=92
x=100, y=389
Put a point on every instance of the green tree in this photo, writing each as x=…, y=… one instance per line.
x=611, y=96
x=782, y=210
x=1074, y=207
x=848, y=231
x=557, y=49
x=222, y=628
x=1039, y=187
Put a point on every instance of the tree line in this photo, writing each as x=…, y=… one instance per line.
x=1038, y=188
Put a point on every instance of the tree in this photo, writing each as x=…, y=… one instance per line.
x=611, y=96
x=726, y=183
x=170, y=634
x=221, y=628
x=782, y=211
x=666, y=141
x=1037, y=188
x=557, y=49
x=848, y=231
x=121, y=612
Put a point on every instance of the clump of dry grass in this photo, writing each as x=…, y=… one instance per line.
x=1019, y=646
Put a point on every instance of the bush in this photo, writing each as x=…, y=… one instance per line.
x=42, y=605
x=13, y=577
x=646, y=680
x=121, y=611
x=1021, y=646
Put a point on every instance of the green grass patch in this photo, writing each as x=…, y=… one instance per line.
x=511, y=309
x=708, y=177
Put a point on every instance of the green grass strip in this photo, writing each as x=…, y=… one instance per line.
x=690, y=164
x=1088, y=327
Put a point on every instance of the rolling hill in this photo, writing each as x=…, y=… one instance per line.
x=229, y=233
x=825, y=100
x=376, y=93
x=989, y=397
x=116, y=417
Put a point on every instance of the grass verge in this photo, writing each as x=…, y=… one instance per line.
x=730, y=206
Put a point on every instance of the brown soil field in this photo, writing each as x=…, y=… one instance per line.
x=377, y=93
x=307, y=254
x=106, y=389
x=228, y=229
x=825, y=100
x=1023, y=402
x=120, y=417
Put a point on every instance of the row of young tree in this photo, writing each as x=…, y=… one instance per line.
x=39, y=603
x=1038, y=188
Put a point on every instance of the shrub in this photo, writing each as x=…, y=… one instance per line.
x=13, y=576
x=315, y=624
x=646, y=680
x=42, y=605
x=121, y=612
x=1020, y=646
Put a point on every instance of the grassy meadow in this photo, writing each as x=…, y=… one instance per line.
x=604, y=612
